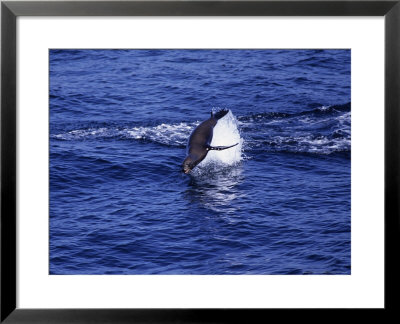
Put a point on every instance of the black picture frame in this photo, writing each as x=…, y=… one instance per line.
x=10, y=10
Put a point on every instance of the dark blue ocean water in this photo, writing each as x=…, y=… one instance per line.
x=119, y=123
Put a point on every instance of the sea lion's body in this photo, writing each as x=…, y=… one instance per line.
x=200, y=141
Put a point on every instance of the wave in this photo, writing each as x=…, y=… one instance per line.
x=320, y=130
x=166, y=134
x=305, y=144
x=320, y=110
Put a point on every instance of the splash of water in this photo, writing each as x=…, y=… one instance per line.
x=226, y=133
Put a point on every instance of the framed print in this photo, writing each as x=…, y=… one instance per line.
x=191, y=161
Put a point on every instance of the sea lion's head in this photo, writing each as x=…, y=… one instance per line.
x=188, y=164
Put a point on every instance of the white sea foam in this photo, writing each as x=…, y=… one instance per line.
x=84, y=133
x=167, y=134
x=175, y=134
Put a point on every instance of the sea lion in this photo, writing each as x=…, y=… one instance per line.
x=200, y=140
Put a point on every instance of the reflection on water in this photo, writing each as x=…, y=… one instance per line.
x=215, y=188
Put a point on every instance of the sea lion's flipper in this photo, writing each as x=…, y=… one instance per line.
x=219, y=114
x=220, y=148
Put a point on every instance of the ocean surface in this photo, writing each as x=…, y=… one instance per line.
x=277, y=203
